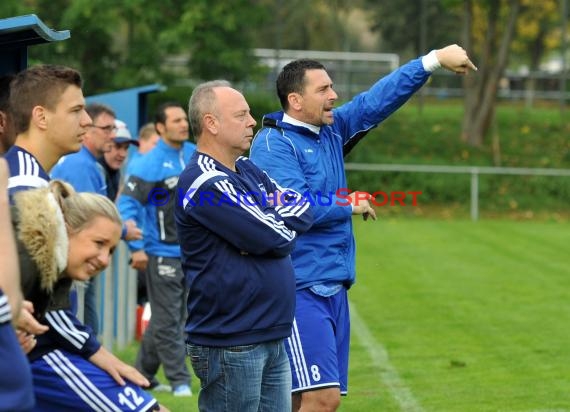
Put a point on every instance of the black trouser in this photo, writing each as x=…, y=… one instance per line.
x=163, y=340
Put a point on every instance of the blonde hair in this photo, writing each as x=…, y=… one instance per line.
x=80, y=208
x=147, y=131
x=46, y=216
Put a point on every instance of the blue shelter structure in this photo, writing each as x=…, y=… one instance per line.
x=17, y=34
x=20, y=32
x=130, y=105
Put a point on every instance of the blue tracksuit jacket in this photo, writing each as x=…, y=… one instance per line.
x=149, y=195
x=313, y=164
x=235, y=253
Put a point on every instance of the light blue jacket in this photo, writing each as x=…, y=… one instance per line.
x=82, y=171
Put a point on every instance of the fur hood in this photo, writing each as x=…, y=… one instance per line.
x=41, y=235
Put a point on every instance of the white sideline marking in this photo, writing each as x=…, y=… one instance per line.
x=380, y=360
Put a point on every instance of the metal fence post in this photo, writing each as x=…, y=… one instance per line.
x=474, y=194
x=107, y=282
x=125, y=298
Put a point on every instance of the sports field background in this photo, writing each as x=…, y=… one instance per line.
x=456, y=316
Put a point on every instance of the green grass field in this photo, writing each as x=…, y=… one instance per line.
x=456, y=316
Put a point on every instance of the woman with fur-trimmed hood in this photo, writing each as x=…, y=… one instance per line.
x=64, y=236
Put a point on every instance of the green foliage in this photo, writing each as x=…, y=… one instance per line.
x=14, y=8
x=112, y=44
x=528, y=138
x=218, y=36
x=300, y=24
x=399, y=22
x=118, y=45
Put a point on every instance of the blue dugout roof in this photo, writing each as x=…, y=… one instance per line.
x=17, y=33
x=130, y=105
x=20, y=32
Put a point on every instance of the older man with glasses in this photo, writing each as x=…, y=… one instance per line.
x=85, y=174
x=114, y=159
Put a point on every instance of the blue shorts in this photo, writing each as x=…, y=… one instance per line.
x=67, y=382
x=319, y=342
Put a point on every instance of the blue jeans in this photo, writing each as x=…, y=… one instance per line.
x=249, y=378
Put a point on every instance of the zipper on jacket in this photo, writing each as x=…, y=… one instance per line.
x=161, y=224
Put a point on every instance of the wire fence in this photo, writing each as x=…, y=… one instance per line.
x=474, y=171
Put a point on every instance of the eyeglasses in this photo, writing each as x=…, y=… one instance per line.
x=107, y=129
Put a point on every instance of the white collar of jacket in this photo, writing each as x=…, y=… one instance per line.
x=295, y=122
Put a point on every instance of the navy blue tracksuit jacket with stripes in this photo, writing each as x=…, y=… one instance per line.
x=236, y=252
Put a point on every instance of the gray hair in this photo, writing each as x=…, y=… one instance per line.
x=202, y=101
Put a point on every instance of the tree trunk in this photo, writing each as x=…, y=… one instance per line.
x=536, y=52
x=481, y=87
x=468, y=81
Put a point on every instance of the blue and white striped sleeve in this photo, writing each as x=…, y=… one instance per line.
x=294, y=208
x=70, y=334
x=250, y=224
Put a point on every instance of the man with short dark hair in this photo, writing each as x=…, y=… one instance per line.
x=49, y=119
x=150, y=191
x=36, y=104
x=303, y=147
